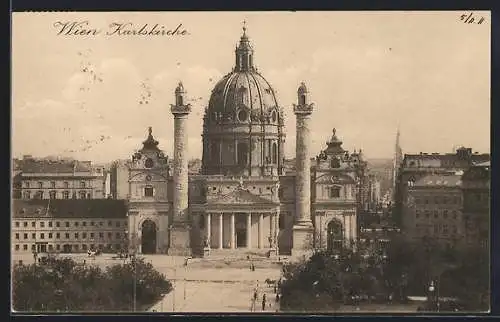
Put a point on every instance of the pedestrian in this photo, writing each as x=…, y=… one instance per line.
x=264, y=302
x=275, y=289
x=255, y=294
x=277, y=298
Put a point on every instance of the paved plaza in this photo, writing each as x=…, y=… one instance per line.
x=219, y=284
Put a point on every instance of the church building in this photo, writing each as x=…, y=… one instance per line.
x=243, y=199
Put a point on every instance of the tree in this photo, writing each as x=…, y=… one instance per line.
x=63, y=285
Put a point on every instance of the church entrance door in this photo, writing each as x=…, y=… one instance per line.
x=241, y=231
x=148, y=237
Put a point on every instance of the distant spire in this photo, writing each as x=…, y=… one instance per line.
x=244, y=27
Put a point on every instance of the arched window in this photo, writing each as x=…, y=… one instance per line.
x=242, y=153
x=214, y=151
x=148, y=191
x=65, y=194
x=52, y=195
x=66, y=185
x=201, y=222
x=302, y=99
x=335, y=235
x=180, y=100
x=39, y=195
x=27, y=195
x=275, y=153
x=83, y=195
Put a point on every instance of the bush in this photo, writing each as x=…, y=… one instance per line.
x=64, y=285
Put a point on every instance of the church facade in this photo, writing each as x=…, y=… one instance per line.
x=243, y=198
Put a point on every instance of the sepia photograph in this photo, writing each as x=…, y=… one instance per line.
x=333, y=162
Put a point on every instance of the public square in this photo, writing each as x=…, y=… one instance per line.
x=218, y=284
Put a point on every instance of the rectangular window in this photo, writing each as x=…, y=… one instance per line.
x=66, y=223
x=334, y=192
x=101, y=223
x=33, y=235
x=417, y=214
x=25, y=247
x=42, y=236
x=117, y=235
x=110, y=235
x=148, y=191
x=445, y=229
x=17, y=247
x=50, y=235
x=58, y=235
x=58, y=224
x=52, y=184
x=436, y=213
x=76, y=235
x=50, y=223
x=91, y=235
x=84, y=235
x=51, y=247
x=92, y=223
x=101, y=235
x=84, y=224
x=42, y=224
x=110, y=223
x=25, y=236
x=25, y=224
x=427, y=214
x=58, y=247
x=17, y=235
x=33, y=224
x=445, y=214
x=84, y=247
x=82, y=184
x=66, y=235
x=40, y=185
x=17, y=223
x=76, y=223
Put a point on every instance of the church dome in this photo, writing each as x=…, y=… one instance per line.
x=242, y=89
x=243, y=126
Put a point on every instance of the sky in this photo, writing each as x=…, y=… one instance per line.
x=368, y=73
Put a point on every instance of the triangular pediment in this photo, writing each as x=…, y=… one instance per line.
x=335, y=178
x=239, y=196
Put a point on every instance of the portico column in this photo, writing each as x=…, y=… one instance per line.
x=209, y=228
x=220, y=231
x=249, y=230
x=233, y=246
x=261, y=230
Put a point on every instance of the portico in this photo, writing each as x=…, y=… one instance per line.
x=240, y=229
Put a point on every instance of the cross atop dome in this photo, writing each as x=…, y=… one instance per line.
x=244, y=53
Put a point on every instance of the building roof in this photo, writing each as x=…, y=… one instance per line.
x=55, y=166
x=439, y=180
x=70, y=208
x=483, y=164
